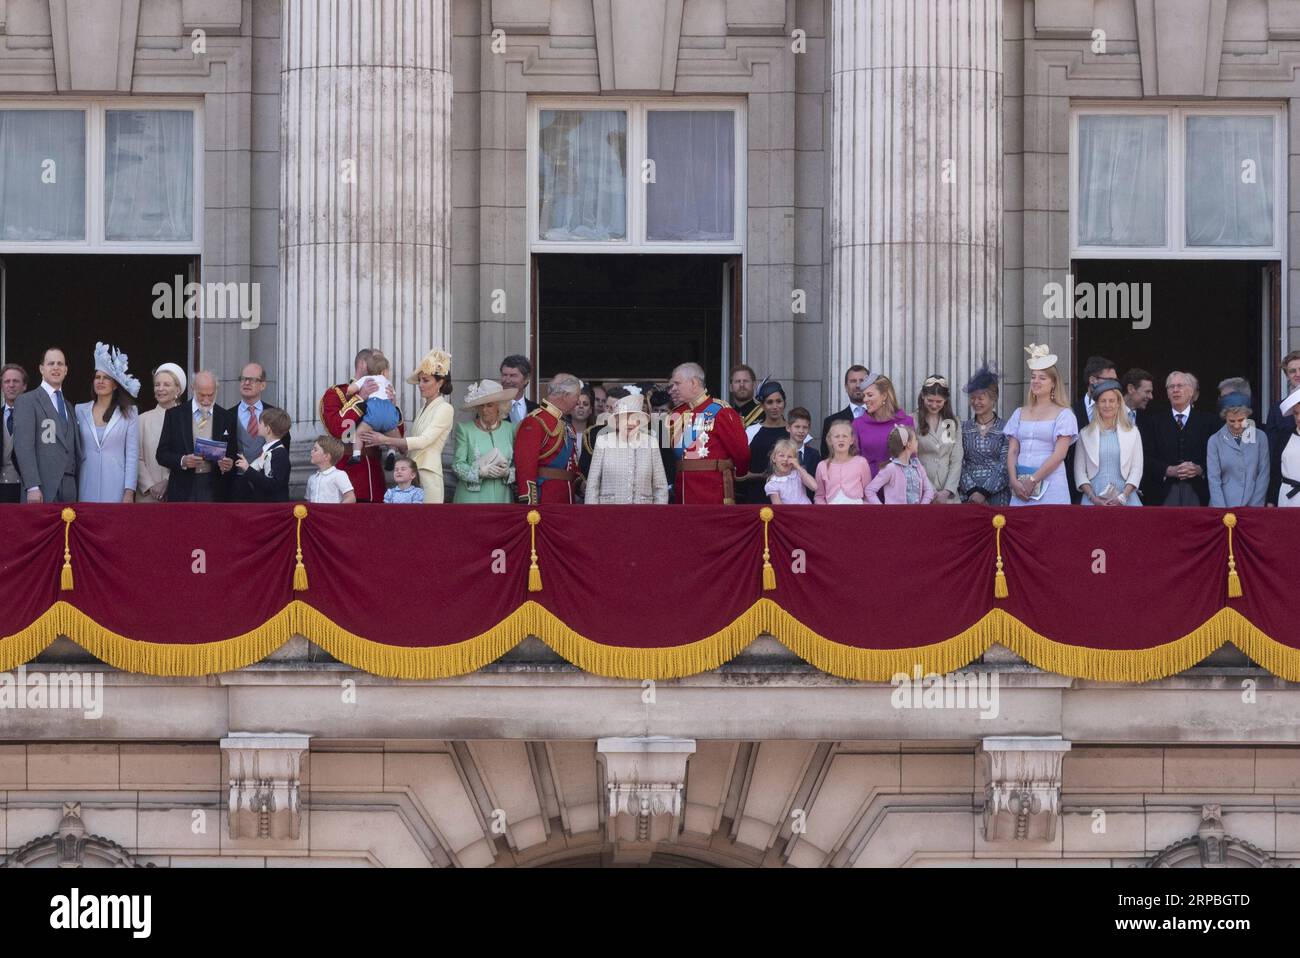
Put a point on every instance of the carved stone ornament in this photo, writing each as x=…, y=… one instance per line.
x=1023, y=798
x=1212, y=847
x=71, y=847
x=264, y=774
x=645, y=779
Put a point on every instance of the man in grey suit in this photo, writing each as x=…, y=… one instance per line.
x=252, y=383
x=45, y=435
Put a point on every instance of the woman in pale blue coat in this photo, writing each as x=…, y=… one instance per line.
x=1236, y=460
x=110, y=436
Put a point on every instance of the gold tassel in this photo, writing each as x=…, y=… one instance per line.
x=534, y=573
x=300, y=570
x=999, y=577
x=1234, y=580
x=769, y=574
x=65, y=578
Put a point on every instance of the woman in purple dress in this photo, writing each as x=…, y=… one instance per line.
x=1038, y=435
x=871, y=430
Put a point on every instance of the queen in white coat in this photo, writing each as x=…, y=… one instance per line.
x=110, y=438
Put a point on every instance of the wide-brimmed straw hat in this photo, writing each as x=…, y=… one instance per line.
x=486, y=393
x=436, y=363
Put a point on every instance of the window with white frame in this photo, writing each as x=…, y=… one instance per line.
x=118, y=175
x=1177, y=181
x=636, y=176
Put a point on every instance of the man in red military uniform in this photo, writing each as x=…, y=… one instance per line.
x=341, y=415
x=546, y=455
x=708, y=440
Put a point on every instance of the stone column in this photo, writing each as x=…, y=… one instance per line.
x=365, y=232
x=916, y=189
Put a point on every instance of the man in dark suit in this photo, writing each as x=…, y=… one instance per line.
x=1279, y=427
x=13, y=382
x=516, y=373
x=855, y=384
x=193, y=478
x=1174, y=445
x=46, y=435
x=1096, y=369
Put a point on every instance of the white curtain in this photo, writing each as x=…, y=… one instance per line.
x=1123, y=168
x=583, y=175
x=1229, y=199
x=149, y=175
x=37, y=147
x=692, y=198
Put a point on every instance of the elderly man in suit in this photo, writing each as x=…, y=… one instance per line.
x=194, y=478
x=1175, y=447
x=46, y=435
x=13, y=383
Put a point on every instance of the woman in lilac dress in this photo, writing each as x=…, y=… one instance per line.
x=1038, y=435
x=871, y=430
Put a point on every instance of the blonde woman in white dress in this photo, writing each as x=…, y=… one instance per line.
x=626, y=466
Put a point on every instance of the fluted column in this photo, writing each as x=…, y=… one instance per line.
x=916, y=188
x=365, y=230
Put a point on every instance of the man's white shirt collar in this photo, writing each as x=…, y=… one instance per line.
x=49, y=390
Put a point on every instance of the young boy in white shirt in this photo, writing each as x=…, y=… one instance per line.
x=330, y=484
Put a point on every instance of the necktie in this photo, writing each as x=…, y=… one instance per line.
x=517, y=410
x=252, y=420
x=59, y=404
x=858, y=411
x=9, y=420
x=1181, y=417
x=1133, y=416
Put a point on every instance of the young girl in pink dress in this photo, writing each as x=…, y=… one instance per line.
x=902, y=480
x=842, y=479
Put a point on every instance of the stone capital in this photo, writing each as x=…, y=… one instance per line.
x=1023, y=798
x=264, y=772
x=644, y=781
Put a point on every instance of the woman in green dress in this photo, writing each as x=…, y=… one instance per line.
x=484, y=463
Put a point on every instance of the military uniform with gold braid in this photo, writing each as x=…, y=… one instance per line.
x=546, y=460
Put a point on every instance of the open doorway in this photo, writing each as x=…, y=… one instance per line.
x=632, y=318
x=75, y=301
x=1214, y=319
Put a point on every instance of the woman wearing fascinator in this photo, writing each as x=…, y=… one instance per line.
x=110, y=439
x=1038, y=435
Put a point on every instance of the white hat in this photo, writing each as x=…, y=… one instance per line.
x=485, y=393
x=1040, y=356
x=111, y=361
x=175, y=371
x=1290, y=402
x=633, y=405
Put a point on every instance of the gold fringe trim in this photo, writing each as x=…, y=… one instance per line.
x=764, y=616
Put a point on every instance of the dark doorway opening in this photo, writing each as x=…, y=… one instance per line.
x=1208, y=318
x=76, y=301
x=632, y=318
